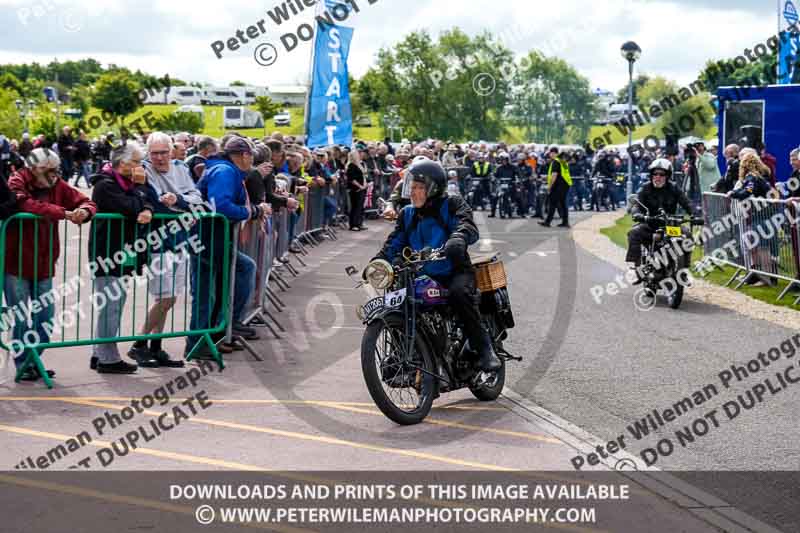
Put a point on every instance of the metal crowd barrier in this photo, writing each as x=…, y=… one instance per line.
x=720, y=209
x=80, y=301
x=763, y=232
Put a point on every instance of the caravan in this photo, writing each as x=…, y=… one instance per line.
x=180, y=95
x=241, y=117
x=222, y=96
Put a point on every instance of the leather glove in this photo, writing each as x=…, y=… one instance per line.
x=638, y=217
x=456, y=249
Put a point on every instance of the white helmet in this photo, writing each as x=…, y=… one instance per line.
x=661, y=164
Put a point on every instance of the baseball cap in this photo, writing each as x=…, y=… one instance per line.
x=238, y=145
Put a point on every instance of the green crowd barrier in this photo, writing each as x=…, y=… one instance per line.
x=47, y=304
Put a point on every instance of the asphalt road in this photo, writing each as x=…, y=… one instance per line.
x=595, y=366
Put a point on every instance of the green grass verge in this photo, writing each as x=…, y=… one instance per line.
x=618, y=233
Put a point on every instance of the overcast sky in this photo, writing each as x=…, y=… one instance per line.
x=174, y=36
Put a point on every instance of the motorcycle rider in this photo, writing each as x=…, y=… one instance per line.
x=481, y=170
x=659, y=193
x=504, y=170
x=525, y=174
x=433, y=220
x=604, y=170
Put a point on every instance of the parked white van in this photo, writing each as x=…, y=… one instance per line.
x=222, y=96
x=184, y=96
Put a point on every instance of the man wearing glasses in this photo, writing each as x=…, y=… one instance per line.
x=659, y=193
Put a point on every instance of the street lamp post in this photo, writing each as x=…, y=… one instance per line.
x=631, y=52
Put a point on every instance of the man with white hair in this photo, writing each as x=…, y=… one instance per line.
x=176, y=194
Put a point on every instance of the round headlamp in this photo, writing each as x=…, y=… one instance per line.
x=379, y=274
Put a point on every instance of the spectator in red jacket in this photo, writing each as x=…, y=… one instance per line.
x=32, y=249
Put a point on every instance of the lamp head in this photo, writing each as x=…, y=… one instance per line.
x=631, y=51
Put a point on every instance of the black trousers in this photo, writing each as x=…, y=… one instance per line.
x=558, y=200
x=639, y=235
x=357, y=208
x=463, y=299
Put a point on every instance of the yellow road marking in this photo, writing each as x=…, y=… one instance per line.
x=129, y=500
x=319, y=438
x=144, y=451
x=531, y=436
x=233, y=401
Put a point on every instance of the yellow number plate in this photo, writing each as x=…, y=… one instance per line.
x=674, y=231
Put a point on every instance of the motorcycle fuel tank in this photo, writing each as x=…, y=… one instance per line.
x=430, y=292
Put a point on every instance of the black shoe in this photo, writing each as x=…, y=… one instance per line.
x=163, y=360
x=93, y=363
x=563, y=225
x=247, y=333
x=120, y=367
x=489, y=362
x=143, y=356
x=491, y=215
x=544, y=224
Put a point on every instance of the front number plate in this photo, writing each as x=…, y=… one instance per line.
x=372, y=306
x=394, y=299
x=674, y=231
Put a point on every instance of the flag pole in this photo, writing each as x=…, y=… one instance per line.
x=309, y=81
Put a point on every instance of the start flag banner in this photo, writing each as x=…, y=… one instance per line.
x=330, y=114
x=788, y=71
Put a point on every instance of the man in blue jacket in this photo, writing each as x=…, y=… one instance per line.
x=435, y=220
x=222, y=187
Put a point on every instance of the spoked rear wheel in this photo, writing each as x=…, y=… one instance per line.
x=401, y=386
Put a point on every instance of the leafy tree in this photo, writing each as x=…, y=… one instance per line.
x=723, y=73
x=117, y=94
x=550, y=100
x=10, y=82
x=238, y=83
x=267, y=107
x=10, y=123
x=181, y=121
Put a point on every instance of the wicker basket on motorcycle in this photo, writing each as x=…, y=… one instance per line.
x=490, y=275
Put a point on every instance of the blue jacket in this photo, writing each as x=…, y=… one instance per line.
x=431, y=226
x=222, y=185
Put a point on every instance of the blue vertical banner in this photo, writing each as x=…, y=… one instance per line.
x=789, y=55
x=330, y=114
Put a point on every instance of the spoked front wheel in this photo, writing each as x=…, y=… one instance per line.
x=401, y=384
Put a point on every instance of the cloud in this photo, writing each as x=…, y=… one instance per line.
x=677, y=36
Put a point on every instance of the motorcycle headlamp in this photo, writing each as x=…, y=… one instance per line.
x=379, y=274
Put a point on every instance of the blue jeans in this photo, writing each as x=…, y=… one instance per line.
x=244, y=285
x=207, y=291
x=330, y=209
x=293, y=218
x=31, y=330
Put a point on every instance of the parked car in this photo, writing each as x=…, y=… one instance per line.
x=283, y=118
x=364, y=120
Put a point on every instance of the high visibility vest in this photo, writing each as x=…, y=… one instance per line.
x=478, y=169
x=564, y=173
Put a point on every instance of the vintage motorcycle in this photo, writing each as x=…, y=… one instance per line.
x=415, y=348
x=663, y=268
